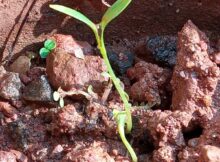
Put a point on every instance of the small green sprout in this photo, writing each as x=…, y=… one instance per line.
x=49, y=45
x=124, y=118
x=120, y=118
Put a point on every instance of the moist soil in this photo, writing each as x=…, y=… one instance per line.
x=167, y=55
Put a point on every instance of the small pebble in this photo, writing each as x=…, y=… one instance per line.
x=21, y=65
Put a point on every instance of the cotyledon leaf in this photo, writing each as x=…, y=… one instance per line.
x=50, y=44
x=75, y=14
x=114, y=11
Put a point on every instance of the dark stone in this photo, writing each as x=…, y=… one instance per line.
x=163, y=49
x=159, y=49
x=120, y=62
x=10, y=85
x=38, y=90
x=19, y=133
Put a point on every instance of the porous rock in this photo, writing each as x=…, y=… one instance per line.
x=210, y=154
x=70, y=45
x=21, y=65
x=7, y=157
x=67, y=71
x=150, y=80
x=93, y=153
x=38, y=90
x=10, y=85
x=195, y=75
x=158, y=49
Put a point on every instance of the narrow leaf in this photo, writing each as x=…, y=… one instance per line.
x=121, y=118
x=114, y=11
x=50, y=44
x=75, y=14
x=127, y=96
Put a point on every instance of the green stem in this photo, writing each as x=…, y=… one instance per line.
x=116, y=81
x=121, y=118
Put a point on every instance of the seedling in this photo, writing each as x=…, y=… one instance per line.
x=49, y=45
x=60, y=94
x=123, y=118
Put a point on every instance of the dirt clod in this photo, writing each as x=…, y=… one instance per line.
x=70, y=45
x=10, y=85
x=149, y=82
x=95, y=152
x=195, y=75
x=68, y=120
x=21, y=65
x=67, y=71
x=8, y=110
x=159, y=49
x=19, y=134
x=38, y=90
x=7, y=157
x=120, y=62
x=19, y=156
x=210, y=154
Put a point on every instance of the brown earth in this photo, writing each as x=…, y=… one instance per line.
x=184, y=127
x=26, y=23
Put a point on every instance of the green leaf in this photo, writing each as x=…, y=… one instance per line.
x=56, y=96
x=75, y=14
x=114, y=11
x=121, y=118
x=50, y=44
x=44, y=52
x=127, y=96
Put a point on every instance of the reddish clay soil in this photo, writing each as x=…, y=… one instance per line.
x=173, y=83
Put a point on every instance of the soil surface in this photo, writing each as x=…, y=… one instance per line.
x=27, y=23
x=173, y=81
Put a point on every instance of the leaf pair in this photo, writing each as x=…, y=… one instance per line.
x=49, y=45
x=109, y=15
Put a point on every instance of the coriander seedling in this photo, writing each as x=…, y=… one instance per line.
x=123, y=118
x=49, y=45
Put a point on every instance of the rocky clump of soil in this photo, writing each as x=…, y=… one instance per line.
x=206, y=147
x=10, y=85
x=95, y=120
x=158, y=49
x=93, y=153
x=21, y=65
x=149, y=82
x=38, y=90
x=185, y=132
x=85, y=129
x=70, y=45
x=195, y=76
x=7, y=157
x=164, y=131
x=67, y=71
x=120, y=61
x=8, y=110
